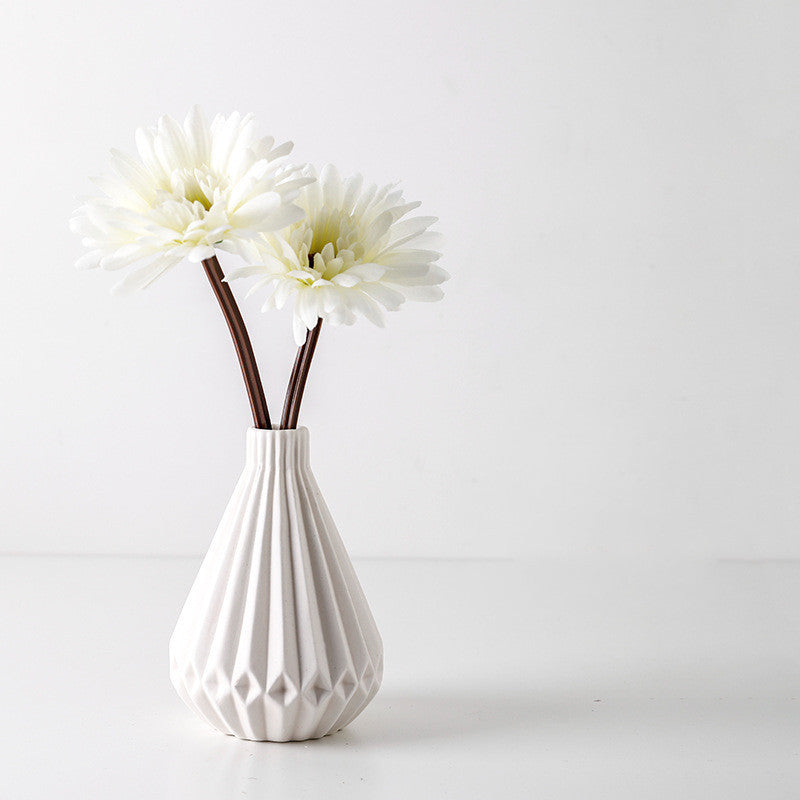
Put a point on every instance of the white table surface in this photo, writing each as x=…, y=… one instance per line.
x=551, y=679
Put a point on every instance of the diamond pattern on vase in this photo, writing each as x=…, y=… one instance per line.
x=282, y=691
x=346, y=684
x=247, y=687
x=316, y=693
x=276, y=613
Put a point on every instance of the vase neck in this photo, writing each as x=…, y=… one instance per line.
x=277, y=448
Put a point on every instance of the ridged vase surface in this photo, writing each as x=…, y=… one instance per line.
x=276, y=641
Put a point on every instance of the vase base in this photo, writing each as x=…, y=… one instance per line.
x=280, y=741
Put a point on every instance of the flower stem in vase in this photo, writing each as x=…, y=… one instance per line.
x=287, y=402
x=241, y=341
x=297, y=382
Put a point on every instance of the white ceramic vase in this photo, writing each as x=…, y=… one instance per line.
x=276, y=640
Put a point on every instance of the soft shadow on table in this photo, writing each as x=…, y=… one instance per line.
x=393, y=719
x=219, y=764
x=680, y=700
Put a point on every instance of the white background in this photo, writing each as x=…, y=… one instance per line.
x=614, y=368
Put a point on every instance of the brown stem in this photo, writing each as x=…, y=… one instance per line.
x=287, y=403
x=303, y=364
x=241, y=341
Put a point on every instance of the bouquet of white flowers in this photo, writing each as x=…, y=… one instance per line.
x=336, y=248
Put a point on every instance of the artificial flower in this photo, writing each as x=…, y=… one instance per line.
x=356, y=252
x=194, y=188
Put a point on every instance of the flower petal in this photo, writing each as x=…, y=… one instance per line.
x=299, y=330
x=255, y=211
x=143, y=277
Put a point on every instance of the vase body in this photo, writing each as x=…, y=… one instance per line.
x=276, y=641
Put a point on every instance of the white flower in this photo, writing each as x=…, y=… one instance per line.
x=195, y=188
x=356, y=252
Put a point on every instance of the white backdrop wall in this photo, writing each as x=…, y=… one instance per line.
x=614, y=368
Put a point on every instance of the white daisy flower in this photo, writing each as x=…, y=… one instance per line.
x=356, y=252
x=195, y=187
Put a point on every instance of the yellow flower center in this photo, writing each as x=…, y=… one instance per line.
x=334, y=227
x=195, y=185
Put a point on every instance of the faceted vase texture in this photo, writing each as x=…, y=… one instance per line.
x=276, y=641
